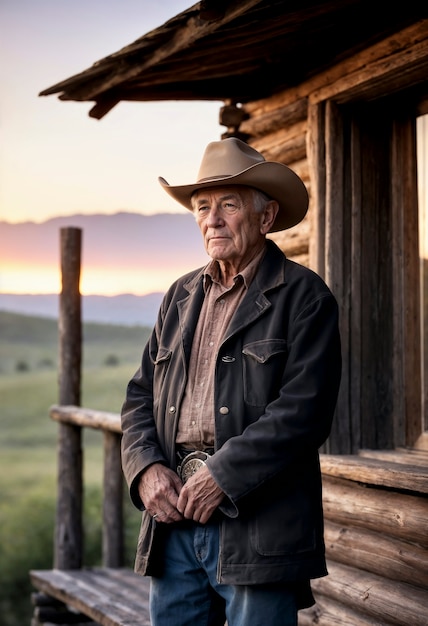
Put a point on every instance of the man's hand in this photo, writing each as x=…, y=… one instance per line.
x=159, y=488
x=199, y=496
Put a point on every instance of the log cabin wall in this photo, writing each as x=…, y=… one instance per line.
x=351, y=138
x=349, y=132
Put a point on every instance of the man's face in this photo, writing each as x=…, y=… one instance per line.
x=233, y=231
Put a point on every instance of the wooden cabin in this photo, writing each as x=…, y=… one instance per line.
x=338, y=91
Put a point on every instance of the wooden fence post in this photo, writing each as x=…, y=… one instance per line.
x=113, y=528
x=68, y=549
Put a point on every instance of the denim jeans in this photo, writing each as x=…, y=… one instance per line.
x=187, y=594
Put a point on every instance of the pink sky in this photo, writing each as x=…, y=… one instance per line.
x=54, y=159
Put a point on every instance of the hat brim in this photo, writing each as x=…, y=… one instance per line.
x=276, y=180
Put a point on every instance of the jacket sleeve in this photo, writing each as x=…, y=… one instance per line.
x=140, y=446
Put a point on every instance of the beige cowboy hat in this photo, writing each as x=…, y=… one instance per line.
x=233, y=162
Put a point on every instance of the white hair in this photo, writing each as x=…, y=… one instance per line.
x=260, y=199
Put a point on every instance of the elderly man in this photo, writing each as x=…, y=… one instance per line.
x=234, y=396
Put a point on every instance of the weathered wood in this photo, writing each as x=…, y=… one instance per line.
x=376, y=553
x=398, y=515
x=405, y=262
x=262, y=123
x=68, y=527
x=374, y=471
x=70, y=333
x=286, y=145
x=404, y=456
x=393, y=64
x=315, y=151
x=335, y=261
x=351, y=398
x=392, y=52
x=293, y=242
x=90, y=418
x=111, y=597
x=327, y=612
x=113, y=534
x=390, y=602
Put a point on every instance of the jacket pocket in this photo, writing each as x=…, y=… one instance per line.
x=286, y=527
x=162, y=361
x=263, y=365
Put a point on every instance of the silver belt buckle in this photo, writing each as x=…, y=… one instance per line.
x=191, y=463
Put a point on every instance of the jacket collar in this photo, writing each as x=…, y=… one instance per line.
x=271, y=272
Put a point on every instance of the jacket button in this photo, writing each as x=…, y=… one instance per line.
x=172, y=409
x=228, y=359
x=224, y=410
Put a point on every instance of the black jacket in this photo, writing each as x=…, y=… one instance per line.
x=276, y=384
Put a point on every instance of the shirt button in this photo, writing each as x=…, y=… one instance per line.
x=224, y=410
x=172, y=409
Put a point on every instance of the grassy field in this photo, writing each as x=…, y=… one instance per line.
x=28, y=387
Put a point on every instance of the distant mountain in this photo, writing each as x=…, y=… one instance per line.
x=122, y=246
x=119, y=240
x=126, y=309
x=130, y=251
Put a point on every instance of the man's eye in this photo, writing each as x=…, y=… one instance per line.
x=229, y=207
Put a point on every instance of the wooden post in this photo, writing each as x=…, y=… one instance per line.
x=69, y=527
x=113, y=540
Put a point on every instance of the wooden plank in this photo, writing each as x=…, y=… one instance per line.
x=327, y=612
x=111, y=597
x=337, y=275
x=90, y=418
x=286, y=145
x=395, y=514
x=393, y=64
x=316, y=161
x=404, y=456
x=352, y=399
x=376, y=553
x=263, y=123
x=407, y=323
x=372, y=471
x=390, y=602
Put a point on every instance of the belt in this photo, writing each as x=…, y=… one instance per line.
x=189, y=461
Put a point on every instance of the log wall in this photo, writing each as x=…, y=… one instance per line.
x=376, y=541
x=376, y=506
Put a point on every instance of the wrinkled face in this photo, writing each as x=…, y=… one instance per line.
x=233, y=230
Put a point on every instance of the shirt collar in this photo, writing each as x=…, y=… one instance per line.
x=212, y=271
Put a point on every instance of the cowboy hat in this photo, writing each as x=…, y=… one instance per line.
x=233, y=162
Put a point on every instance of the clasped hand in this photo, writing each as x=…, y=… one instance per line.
x=165, y=497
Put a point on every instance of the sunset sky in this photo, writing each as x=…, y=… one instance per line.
x=54, y=159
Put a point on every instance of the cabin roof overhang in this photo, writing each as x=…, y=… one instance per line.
x=234, y=50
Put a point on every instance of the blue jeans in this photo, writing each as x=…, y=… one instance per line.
x=188, y=594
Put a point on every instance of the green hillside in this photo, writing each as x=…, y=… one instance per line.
x=31, y=343
x=28, y=443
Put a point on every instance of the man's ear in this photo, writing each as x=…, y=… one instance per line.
x=268, y=216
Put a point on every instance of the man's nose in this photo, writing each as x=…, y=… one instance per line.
x=215, y=216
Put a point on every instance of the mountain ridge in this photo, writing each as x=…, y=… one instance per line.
x=120, y=310
x=122, y=253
